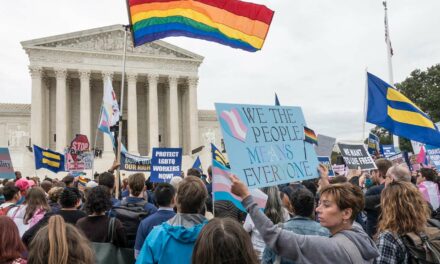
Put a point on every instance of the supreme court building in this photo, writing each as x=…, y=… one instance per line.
x=160, y=101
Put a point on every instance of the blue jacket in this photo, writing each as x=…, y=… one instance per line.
x=173, y=241
x=300, y=225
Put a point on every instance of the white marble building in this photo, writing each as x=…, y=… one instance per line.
x=160, y=104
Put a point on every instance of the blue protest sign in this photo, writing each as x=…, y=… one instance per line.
x=373, y=144
x=131, y=162
x=265, y=144
x=433, y=154
x=388, y=150
x=327, y=162
x=165, y=163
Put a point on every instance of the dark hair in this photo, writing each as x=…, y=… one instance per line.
x=9, y=192
x=164, y=194
x=338, y=179
x=11, y=246
x=346, y=195
x=69, y=197
x=149, y=184
x=382, y=166
x=223, y=240
x=311, y=185
x=107, y=179
x=191, y=195
x=228, y=209
x=210, y=171
x=46, y=185
x=303, y=202
x=68, y=180
x=429, y=174
x=98, y=200
x=136, y=183
x=193, y=172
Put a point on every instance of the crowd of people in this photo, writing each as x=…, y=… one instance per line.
x=363, y=217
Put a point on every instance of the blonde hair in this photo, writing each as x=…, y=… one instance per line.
x=60, y=243
x=403, y=209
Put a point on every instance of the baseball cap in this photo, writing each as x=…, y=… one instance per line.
x=23, y=184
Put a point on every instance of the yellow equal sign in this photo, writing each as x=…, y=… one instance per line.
x=51, y=155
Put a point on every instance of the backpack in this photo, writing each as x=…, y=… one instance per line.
x=130, y=214
x=5, y=210
x=424, y=248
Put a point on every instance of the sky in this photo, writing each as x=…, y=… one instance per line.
x=315, y=54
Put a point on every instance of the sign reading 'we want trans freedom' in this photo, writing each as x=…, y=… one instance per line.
x=265, y=144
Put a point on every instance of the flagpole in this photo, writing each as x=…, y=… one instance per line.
x=118, y=155
x=364, y=117
x=96, y=139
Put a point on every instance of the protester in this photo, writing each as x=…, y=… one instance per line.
x=54, y=195
x=193, y=172
x=12, y=249
x=173, y=241
x=12, y=196
x=403, y=211
x=274, y=210
x=23, y=184
x=125, y=191
x=108, y=179
x=303, y=205
x=46, y=185
x=31, y=211
x=95, y=225
x=69, y=180
x=426, y=181
x=164, y=194
x=223, y=240
x=372, y=196
x=60, y=243
x=398, y=173
x=17, y=175
x=339, y=206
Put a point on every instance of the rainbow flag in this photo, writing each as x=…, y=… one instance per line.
x=221, y=188
x=310, y=136
x=233, y=23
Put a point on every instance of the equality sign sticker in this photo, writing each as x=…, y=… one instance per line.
x=6, y=168
x=326, y=162
x=165, y=164
x=265, y=144
x=355, y=155
x=131, y=162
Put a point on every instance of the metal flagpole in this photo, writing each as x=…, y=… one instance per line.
x=96, y=139
x=364, y=117
x=118, y=155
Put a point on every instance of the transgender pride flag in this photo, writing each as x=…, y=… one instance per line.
x=234, y=124
x=221, y=187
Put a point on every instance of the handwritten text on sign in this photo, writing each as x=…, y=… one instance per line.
x=265, y=144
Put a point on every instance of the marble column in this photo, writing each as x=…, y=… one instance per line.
x=132, y=114
x=153, y=115
x=37, y=106
x=85, y=105
x=193, y=114
x=108, y=144
x=61, y=109
x=173, y=112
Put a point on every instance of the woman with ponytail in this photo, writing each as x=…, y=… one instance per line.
x=60, y=243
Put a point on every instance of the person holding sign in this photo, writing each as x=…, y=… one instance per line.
x=338, y=207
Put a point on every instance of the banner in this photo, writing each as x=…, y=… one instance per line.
x=131, y=162
x=78, y=156
x=355, y=155
x=325, y=145
x=6, y=168
x=265, y=144
x=433, y=154
x=327, y=162
x=398, y=159
x=373, y=144
x=165, y=164
x=339, y=169
x=388, y=150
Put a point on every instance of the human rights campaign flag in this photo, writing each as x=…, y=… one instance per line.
x=198, y=165
x=392, y=110
x=48, y=159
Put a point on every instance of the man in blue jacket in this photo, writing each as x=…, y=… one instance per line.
x=173, y=241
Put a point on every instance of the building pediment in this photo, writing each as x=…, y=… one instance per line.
x=108, y=40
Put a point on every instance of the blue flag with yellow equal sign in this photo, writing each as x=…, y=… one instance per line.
x=198, y=165
x=392, y=110
x=48, y=159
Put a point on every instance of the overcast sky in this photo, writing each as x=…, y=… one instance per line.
x=315, y=54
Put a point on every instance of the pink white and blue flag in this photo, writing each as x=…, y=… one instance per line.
x=235, y=126
x=109, y=109
x=221, y=187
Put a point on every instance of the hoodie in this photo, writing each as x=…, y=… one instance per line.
x=306, y=249
x=172, y=241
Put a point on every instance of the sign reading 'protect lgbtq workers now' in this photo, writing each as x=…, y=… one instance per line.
x=265, y=144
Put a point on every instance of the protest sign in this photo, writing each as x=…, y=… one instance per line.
x=355, y=155
x=327, y=162
x=165, y=163
x=373, y=144
x=388, y=150
x=413, y=160
x=416, y=146
x=265, y=144
x=78, y=156
x=6, y=168
x=131, y=162
x=433, y=154
x=398, y=159
x=325, y=145
x=339, y=169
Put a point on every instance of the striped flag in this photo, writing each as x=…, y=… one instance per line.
x=48, y=159
x=218, y=156
x=198, y=164
x=234, y=124
x=221, y=188
x=310, y=136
